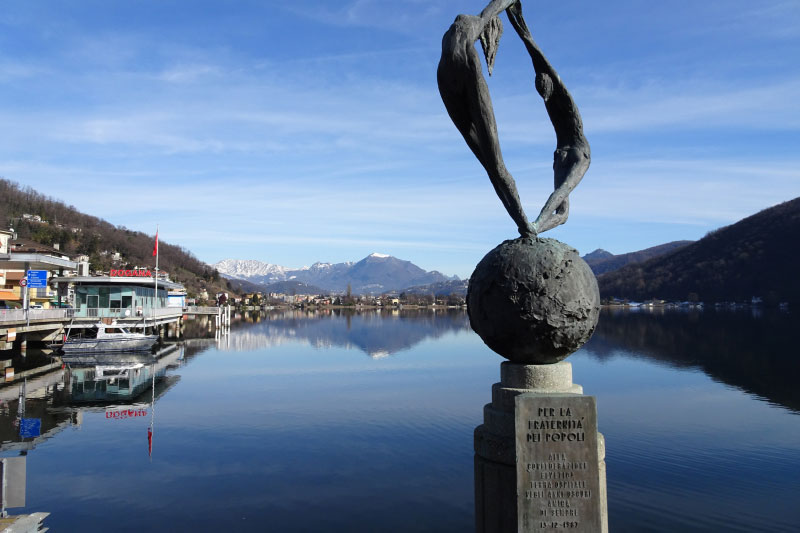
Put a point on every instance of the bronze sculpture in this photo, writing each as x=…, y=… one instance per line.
x=466, y=97
x=532, y=300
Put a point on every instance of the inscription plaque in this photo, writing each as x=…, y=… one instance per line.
x=558, y=473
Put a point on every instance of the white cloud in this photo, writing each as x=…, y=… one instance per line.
x=188, y=73
x=693, y=105
x=697, y=192
x=402, y=16
x=16, y=71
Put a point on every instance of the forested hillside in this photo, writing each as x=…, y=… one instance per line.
x=601, y=261
x=78, y=233
x=757, y=256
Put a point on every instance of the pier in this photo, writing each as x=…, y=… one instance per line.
x=19, y=326
x=47, y=325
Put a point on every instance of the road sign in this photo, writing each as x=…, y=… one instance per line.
x=30, y=427
x=23, y=282
x=37, y=279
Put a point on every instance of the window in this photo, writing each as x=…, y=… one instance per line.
x=104, y=297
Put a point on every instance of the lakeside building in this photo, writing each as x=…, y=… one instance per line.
x=17, y=257
x=124, y=294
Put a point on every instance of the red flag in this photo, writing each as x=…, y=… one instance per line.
x=150, y=442
x=155, y=248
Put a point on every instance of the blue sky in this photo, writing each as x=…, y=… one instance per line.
x=303, y=131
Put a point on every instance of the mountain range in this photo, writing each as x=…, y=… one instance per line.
x=375, y=274
x=753, y=257
x=380, y=273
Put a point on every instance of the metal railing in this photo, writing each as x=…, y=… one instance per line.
x=50, y=314
x=163, y=311
x=200, y=310
x=127, y=312
x=19, y=315
x=12, y=315
x=105, y=312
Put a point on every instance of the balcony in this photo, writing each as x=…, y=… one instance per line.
x=115, y=312
x=10, y=316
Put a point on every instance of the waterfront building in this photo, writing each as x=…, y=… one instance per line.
x=123, y=294
x=17, y=257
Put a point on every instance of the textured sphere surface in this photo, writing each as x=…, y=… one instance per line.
x=533, y=300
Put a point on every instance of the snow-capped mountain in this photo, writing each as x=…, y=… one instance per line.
x=375, y=273
x=251, y=270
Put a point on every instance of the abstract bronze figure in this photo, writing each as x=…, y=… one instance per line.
x=466, y=97
x=531, y=300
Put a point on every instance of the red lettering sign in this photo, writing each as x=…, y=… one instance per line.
x=125, y=413
x=130, y=273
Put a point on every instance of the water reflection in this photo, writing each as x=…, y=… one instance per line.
x=287, y=435
x=111, y=378
x=755, y=352
x=376, y=333
x=34, y=410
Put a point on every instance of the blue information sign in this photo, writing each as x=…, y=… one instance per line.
x=37, y=279
x=30, y=427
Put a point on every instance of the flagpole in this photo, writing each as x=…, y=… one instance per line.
x=152, y=416
x=155, y=296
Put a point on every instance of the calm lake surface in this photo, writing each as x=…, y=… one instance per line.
x=364, y=422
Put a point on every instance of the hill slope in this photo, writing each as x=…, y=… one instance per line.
x=601, y=261
x=79, y=233
x=757, y=256
x=597, y=256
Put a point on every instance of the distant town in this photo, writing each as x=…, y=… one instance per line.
x=257, y=300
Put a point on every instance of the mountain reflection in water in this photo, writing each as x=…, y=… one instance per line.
x=376, y=333
x=751, y=351
x=756, y=352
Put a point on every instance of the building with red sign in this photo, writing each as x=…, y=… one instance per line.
x=118, y=296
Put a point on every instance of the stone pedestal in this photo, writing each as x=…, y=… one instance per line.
x=496, y=494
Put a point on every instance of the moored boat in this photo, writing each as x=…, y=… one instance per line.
x=103, y=338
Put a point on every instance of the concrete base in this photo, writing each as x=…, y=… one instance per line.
x=25, y=523
x=495, y=450
x=495, y=491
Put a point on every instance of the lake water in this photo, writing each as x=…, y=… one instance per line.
x=364, y=422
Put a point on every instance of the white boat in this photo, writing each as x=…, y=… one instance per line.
x=111, y=338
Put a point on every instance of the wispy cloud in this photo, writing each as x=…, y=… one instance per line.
x=15, y=71
x=778, y=19
x=694, y=105
x=699, y=192
x=400, y=16
x=189, y=73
